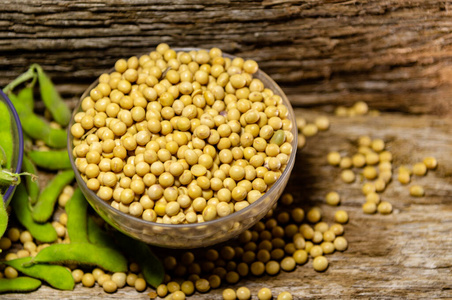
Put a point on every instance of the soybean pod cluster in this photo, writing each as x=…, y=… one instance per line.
x=50, y=240
x=181, y=137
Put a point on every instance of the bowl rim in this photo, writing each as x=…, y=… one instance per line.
x=237, y=214
x=10, y=191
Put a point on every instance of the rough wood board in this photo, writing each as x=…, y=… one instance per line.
x=393, y=54
x=402, y=255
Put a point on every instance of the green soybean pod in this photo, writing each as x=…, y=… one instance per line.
x=51, y=159
x=3, y=216
x=57, y=276
x=37, y=128
x=97, y=236
x=83, y=253
x=77, y=218
x=3, y=158
x=52, y=99
x=26, y=96
x=6, y=140
x=30, y=181
x=44, y=207
x=19, y=284
x=43, y=232
x=151, y=267
x=56, y=138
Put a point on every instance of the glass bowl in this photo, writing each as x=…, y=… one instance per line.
x=18, y=145
x=199, y=234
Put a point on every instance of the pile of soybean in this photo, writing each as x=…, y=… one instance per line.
x=286, y=238
x=181, y=137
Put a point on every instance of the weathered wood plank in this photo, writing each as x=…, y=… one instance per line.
x=395, y=55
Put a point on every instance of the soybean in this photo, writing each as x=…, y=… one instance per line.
x=264, y=294
x=57, y=276
x=320, y=263
x=43, y=209
x=430, y=162
x=285, y=296
x=341, y=216
x=43, y=232
x=333, y=198
x=417, y=191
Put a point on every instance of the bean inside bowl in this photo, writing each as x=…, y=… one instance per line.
x=16, y=137
x=168, y=231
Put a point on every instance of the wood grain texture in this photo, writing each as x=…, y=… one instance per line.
x=396, y=55
x=405, y=255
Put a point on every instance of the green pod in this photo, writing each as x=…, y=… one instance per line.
x=151, y=267
x=57, y=276
x=30, y=181
x=36, y=127
x=3, y=158
x=52, y=99
x=27, y=98
x=57, y=138
x=43, y=232
x=51, y=160
x=6, y=135
x=97, y=236
x=76, y=210
x=83, y=253
x=44, y=207
x=3, y=217
x=19, y=284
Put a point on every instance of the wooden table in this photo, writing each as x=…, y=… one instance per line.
x=395, y=55
x=402, y=255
